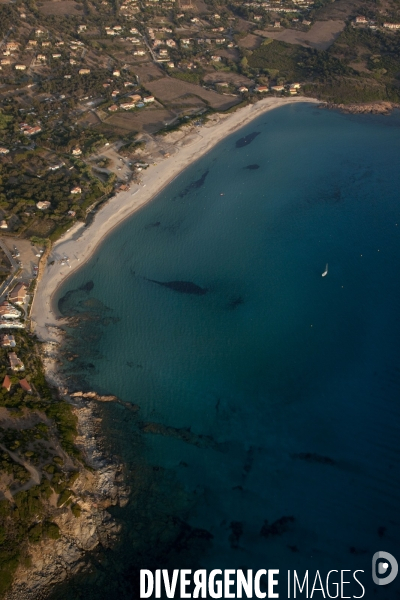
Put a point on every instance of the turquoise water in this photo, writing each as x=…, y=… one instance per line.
x=272, y=395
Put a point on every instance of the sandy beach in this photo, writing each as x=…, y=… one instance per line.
x=80, y=242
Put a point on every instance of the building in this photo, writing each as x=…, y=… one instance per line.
x=7, y=341
x=113, y=108
x=135, y=97
x=84, y=71
x=6, y=383
x=12, y=46
x=8, y=311
x=216, y=58
x=3, y=224
x=25, y=386
x=7, y=324
x=20, y=67
x=16, y=363
x=76, y=190
x=392, y=25
x=43, y=205
x=116, y=73
x=261, y=88
x=18, y=295
x=28, y=130
x=243, y=89
x=361, y=21
x=41, y=57
x=128, y=105
x=4, y=150
x=76, y=151
x=5, y=61
x=277, y=88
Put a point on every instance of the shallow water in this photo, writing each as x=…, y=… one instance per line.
x=273, y=392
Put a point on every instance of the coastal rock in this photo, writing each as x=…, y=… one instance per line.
x=94, y=396
x=375, y=108
x=95, y=490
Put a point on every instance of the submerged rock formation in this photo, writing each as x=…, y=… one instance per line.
x=184, y=287
x=247, y=139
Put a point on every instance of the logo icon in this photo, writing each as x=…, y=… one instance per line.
x=384, y=563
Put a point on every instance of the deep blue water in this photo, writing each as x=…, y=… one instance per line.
x=289, y=382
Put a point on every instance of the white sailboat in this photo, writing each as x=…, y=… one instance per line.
x=325, y=273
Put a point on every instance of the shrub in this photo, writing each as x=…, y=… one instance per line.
x=76, y=510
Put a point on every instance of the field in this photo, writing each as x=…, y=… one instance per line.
x=250, y=41
x=343, y=9
x=60, y=7
x=148, y=72
x=171, y=92
x=233, y=78
x=321, y=35
x=149, y=120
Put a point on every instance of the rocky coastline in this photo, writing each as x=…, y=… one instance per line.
x=371, y=108
x=99, y=485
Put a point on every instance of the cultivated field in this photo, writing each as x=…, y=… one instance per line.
x=342, y=9
x=148, y=72
x=60, y=7
x=171, y=91
x=233, y=78
x=250, y=41
x=149, y=120
x=321, y=35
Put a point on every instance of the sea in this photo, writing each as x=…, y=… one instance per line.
x=263, y=431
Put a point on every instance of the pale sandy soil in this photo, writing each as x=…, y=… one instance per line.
x=79, y=242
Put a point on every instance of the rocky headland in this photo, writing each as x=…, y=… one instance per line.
x=98, y=486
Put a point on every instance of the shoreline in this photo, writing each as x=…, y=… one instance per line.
x=81, y=242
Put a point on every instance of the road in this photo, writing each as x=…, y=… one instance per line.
x=14, y=269
x=6, y=251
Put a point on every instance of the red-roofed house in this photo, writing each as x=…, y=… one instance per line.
x=6, y=383
x=25, y=386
